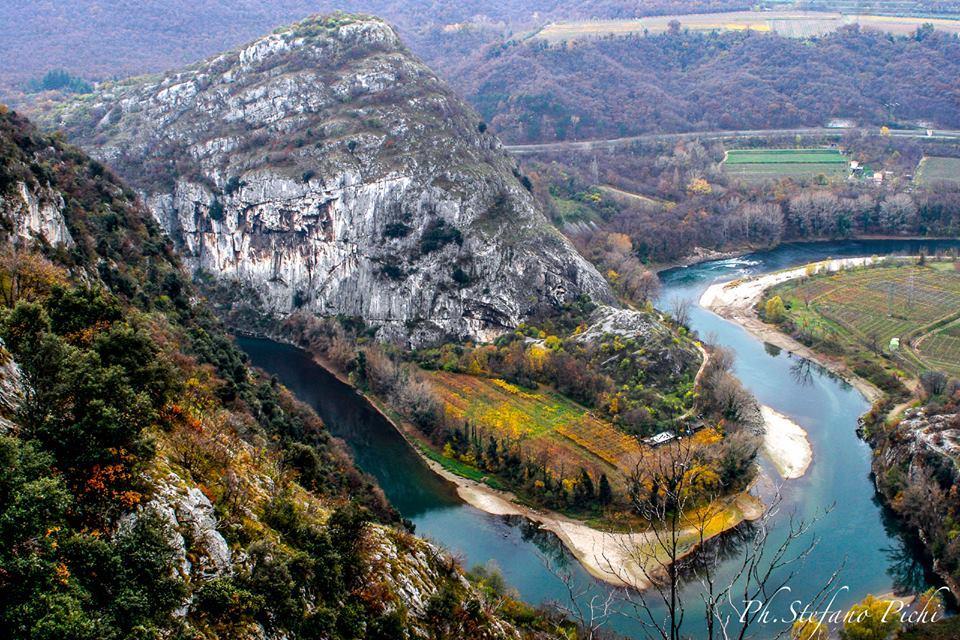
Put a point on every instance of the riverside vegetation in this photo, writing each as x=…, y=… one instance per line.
x=555, y=418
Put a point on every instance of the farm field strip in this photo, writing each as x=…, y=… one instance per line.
x=795, y=24
x=767, y=164
x=789, y=156
x=942, y=348
x=760, y=172
x=535, y=416
x=933, y=169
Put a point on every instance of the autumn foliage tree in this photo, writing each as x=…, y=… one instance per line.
x=94, y=383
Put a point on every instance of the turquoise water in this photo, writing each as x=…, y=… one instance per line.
x=856, y=534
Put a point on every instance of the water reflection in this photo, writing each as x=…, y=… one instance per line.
x=802, y=372
x=772, y=349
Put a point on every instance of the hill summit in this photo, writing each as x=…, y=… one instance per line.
x=324, y=168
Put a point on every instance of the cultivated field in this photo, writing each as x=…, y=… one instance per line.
x=794, y=24
x=933, y=170
x=545, y=421
x=752, y=165
x=864, y=309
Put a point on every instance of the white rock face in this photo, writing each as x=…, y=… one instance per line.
x=33, y=214
x=324, y=168
x=412, y=571
x=36, y=216
x=191, y=517
x=11, y=390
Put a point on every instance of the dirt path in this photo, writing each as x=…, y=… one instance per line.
x=629, y=196
x=696, y=380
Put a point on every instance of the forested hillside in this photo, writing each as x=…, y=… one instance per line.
x=153, y=484
x=689, y=81
x=529, y=90
x=101, y=40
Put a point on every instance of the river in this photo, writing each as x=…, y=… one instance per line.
x=857, y=533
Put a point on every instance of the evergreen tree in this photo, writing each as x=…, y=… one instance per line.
x=583, y=492
x=493, y=457
x=605, y=491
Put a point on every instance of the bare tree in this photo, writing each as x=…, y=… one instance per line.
x=668, y=497
x=680, y=310
x=721, y=392
x=589, y=608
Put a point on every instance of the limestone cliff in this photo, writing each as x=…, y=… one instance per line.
x=323, y=167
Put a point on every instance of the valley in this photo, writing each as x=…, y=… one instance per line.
x=550, y=320
x=839, y=471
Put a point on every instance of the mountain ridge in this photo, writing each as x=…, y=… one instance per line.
x=346, y=180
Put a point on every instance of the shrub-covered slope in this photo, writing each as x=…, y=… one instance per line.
x=152, y=484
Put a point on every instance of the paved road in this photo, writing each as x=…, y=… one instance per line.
x=612, y=144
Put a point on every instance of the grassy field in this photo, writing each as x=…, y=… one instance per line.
x=795, y=24
x=863, y=309
x=543, y=419
x=781, y=156
x=771, y=164
x=933, y=170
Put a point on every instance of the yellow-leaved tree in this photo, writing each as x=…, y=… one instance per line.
x=808, y=630
x=699, y=187
x=869, y=620
x=774, y=310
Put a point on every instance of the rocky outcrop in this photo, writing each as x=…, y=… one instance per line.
x=324, y=168
x=916, y=471
x=36, y=214
x=11, y=390
x=405, y=574
x=657, y=350
x=32, y=215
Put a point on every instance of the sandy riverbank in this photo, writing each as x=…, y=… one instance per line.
x=736, y=301
x=610, y=557
x=786, y=444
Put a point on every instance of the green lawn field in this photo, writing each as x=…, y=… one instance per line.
x=772, y=164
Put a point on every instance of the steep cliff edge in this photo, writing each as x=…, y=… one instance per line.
x=324, y=168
